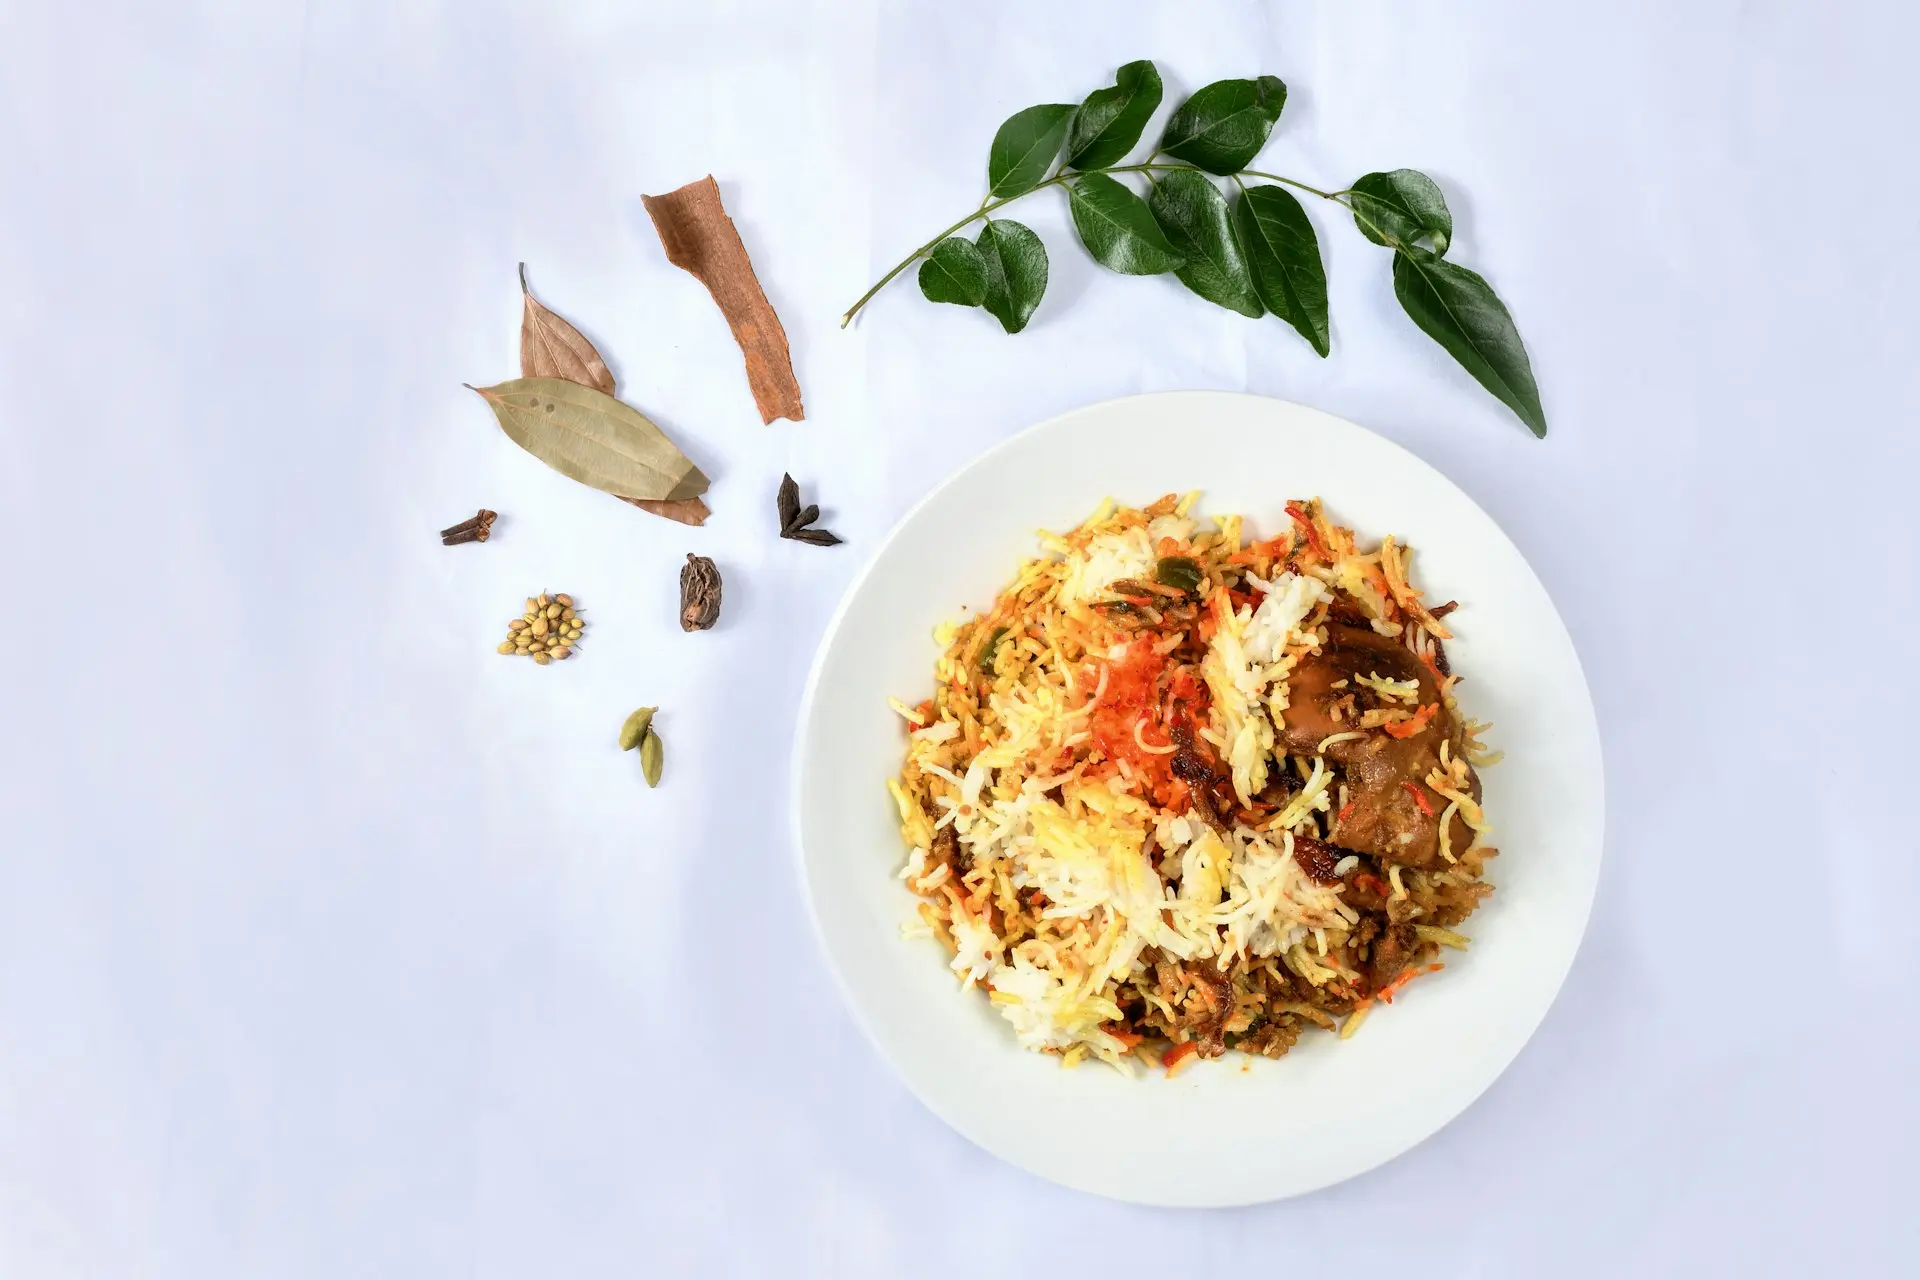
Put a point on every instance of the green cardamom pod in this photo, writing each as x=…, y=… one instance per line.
x=636, y=728
x=650, y=757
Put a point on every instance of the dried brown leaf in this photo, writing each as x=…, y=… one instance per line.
x=552, y=348
x=691, y=511
x=701, y=239
x=588, y=435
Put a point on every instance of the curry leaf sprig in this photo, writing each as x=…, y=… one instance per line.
x=1256, y=254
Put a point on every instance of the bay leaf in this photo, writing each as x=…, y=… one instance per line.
x=693, y=511
x=552, y=348
x=589, y=436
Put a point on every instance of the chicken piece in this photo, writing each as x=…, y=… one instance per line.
x=1365, y=892
x=1349, y=652
x=1209, y=786
x=948, y=849
x=1384, y=816
x=1207, y=1013
x=1392, y=951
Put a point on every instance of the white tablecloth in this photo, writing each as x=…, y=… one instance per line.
x=332, y=944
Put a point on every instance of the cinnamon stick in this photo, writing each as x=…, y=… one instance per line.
x=701, y=239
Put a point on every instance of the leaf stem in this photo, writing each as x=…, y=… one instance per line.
x=1060, y=176
x=986, y=207
x=1250, y=173
x=1312, y=191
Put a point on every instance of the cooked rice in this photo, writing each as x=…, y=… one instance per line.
x=1109, y=900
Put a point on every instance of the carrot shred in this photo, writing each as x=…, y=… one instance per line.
x=1127, y=1038
x=1348, y=808
x=1179, y=1053
x=1305, y=522
x=1419, y=797
x=1386, y=992
x=1271, y=549
x=1407, y=728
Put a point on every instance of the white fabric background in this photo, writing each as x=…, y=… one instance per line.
x=332, y=944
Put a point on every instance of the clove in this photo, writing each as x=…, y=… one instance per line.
x=474, y=530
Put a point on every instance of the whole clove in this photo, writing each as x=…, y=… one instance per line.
x=477, y=529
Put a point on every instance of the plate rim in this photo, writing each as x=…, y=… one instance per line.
x=803, y=721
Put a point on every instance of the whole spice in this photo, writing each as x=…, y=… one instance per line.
x=1257, y=255
x=787, y=502
x=548, y=631
x=699, y=593
x=795, y=518
x=477, y=529
x=701, y=239
x=637, y=732
x=651, y=757
x=635, y=728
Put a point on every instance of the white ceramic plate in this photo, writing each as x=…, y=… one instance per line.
x=1236, y=1130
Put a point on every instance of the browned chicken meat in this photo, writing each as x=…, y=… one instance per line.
x=1390, y=813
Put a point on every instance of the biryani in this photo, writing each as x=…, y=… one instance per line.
x=1182, y=791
